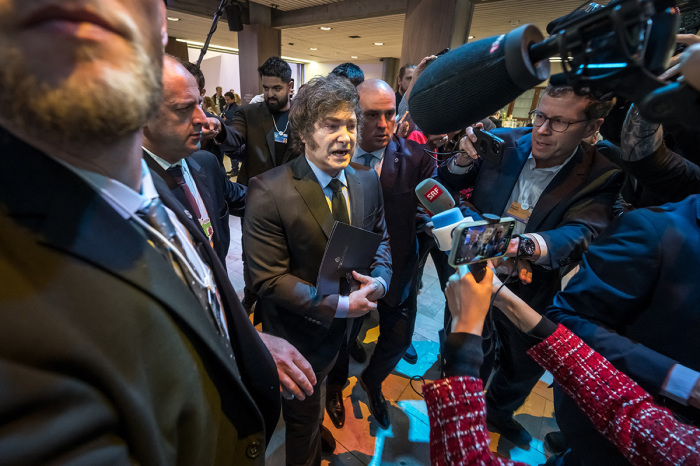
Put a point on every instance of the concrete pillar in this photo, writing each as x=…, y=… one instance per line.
x=177, y=49
x=256, y=43
x=433, y=25
x=390, y=69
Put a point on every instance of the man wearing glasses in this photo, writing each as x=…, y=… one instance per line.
x=561, y=192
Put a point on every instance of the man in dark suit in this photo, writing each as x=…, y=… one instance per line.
x=107, y=356
x=561, y=193
x=263, y=130
x=263, y=127
x=401, y=165
x=171, y=138
x=290, y=216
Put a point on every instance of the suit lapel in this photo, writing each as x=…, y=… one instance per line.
x=563, y=186
x=357, y=197
x=390, y=166
x=267, y=125
x=201, y=180
x=310, y=190
x=510, y=172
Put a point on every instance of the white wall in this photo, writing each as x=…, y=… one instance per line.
x=370, y=69
x=220, y=69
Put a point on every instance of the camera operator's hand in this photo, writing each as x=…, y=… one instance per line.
x=521, y=269
x=677, y=62
x=364, y=300
x=469, y=302
x=467, y=153
x=211, y=129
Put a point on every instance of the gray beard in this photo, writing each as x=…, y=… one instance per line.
x=116, y=103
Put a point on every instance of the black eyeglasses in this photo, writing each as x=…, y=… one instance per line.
x=555, y=124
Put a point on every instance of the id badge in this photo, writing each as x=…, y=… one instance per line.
x=519, y=213
x=281, y=137
x=208, y=230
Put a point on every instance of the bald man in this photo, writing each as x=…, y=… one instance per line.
x=172, y=138
x=401, y=165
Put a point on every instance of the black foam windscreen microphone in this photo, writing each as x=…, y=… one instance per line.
x=475, y=80
x=434, y=196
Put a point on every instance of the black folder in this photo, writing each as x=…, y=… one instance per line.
x=349, y=248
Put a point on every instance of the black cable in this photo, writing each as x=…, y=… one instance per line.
x=214, y=24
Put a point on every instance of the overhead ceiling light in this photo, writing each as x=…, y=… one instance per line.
x=313, y=48
x=354, y=56
x=212, y=47
x=470, y=37
x=325, y=28
x=296, y=60
x=379, y=43
x=172, y=18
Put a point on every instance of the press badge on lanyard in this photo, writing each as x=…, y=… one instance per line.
x=281, y=137
x=519, y=212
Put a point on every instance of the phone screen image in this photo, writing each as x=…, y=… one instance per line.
x=480, y=241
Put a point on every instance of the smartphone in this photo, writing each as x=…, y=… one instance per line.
x=473, y=243
x=489, y=147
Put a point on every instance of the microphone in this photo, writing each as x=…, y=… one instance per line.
x=463, y=86
x=441, y=206
x=434, y=196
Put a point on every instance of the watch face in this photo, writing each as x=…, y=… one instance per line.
x=526, y=247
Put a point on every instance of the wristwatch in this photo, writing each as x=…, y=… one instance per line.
x=526, y=247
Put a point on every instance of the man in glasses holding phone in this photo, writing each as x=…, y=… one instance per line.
x=561, y=192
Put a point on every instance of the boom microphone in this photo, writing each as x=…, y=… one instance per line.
x=475, y=80
x=619, y=49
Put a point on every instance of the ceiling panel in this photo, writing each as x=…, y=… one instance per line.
x=335, y=46
x=287, y=5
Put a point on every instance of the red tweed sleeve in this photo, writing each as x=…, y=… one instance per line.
x=619, y=408
x=457, y=414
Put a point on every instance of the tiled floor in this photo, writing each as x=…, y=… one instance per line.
x=361, y=441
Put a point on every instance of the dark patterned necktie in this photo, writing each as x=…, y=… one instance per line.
x=155, y=215
x=368, y=160
x=176, y=173
x=338, y=205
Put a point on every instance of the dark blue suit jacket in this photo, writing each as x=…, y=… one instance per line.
x=639, y=281
x=405, y=165
x=575, y=207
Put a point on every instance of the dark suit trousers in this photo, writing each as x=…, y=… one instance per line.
x=516, y=373
x=340, y=371
x=302, y=421
x=396, y=326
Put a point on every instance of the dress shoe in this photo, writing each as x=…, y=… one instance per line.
x=357, y=352
x=335, y=408
x=554, y=443
x=509, y=428
x=327, y=441
x=411, y=356
x=377, y=405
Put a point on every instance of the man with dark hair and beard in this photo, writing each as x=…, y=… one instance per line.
x=264, y=127
x=121, y=338
x=262, y=134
